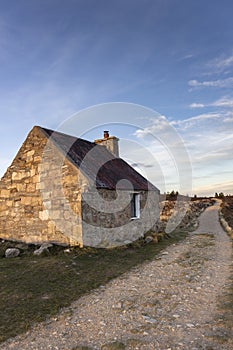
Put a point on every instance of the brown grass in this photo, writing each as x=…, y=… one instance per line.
x=227, y=209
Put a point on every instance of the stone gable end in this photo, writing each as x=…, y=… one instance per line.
x=31, y=209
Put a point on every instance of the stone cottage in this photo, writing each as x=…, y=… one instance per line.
x=66, y=190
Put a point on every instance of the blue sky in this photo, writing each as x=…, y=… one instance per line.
x=171, y=56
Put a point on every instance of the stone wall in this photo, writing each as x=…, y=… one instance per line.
x=30, y=208
x=188, y=211
x=107, y=221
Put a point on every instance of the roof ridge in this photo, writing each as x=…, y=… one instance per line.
x=51, y=132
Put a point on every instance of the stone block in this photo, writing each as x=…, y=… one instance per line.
x=21, y=187
x=16, y=176
x=40, y=186
x=35, y=179
x=4, y=193
x=56, y=214
x=67, y=215
x=3, y=206
x=51, y=228
x=37, y=159
x=36, y=200
x=31, y=187
x=26, y=200
x=30, y=153
x=44, y=215
x=32, y=172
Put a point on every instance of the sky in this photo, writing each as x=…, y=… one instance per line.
x=162, y=69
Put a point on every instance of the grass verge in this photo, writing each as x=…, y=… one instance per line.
x=34, y=288
x=223, y=331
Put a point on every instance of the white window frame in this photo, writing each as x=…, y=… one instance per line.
x=135, y=201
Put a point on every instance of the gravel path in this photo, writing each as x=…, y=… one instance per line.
x=169, y=303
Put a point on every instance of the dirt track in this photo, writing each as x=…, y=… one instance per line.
x=173, y=302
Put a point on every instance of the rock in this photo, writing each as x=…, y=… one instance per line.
x=149, y=319
x=43, y=249
x=190, y=210
x=12, y=252
x=164, y=253
x=190, y=325
x=148, y=239
x=46, y=245
x=40, y=251
x=127, y=242
x=67, y=250
x=118, y=305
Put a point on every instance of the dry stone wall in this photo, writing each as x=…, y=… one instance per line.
x=190, y=209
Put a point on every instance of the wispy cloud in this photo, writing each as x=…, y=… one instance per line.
x=220, y=83
x=219, y=65
x=208, y=140
x=206, y=189
x=196, y=105
x=190, y=122
x=159, y=124
x=228, y=119
x=186, y=57
x=223, y=63
x=225, y=101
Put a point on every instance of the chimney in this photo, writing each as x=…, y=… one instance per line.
x=110, y=142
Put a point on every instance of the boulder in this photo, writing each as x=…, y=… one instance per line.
x=12, y=252
x=43, y=249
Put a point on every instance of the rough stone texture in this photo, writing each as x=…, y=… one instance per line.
x=111, y=143
x=112, y=224
x=25, y=197
x=44, y=248
x=44, y=197
x=12, y=252
x=181, y=213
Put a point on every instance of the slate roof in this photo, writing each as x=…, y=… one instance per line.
x=97, y=163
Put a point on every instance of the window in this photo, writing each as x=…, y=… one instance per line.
x=135, y=206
